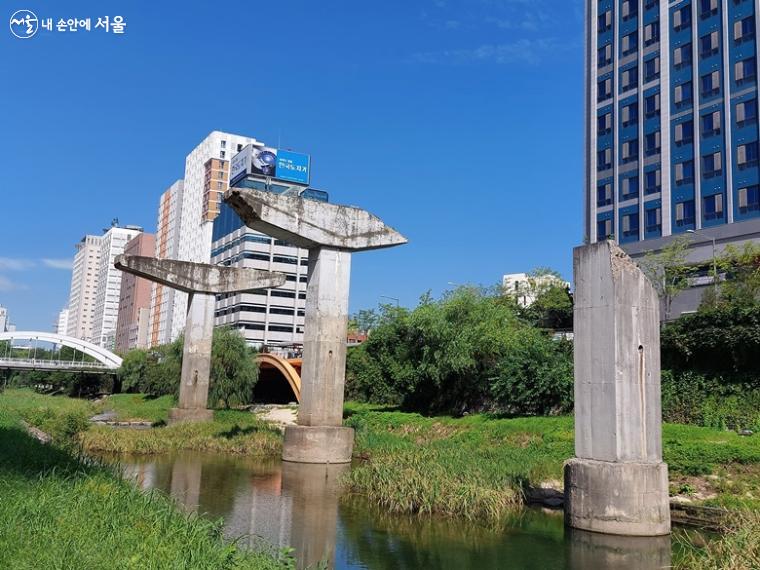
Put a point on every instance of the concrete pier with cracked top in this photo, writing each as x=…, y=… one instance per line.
x=202, y=282
x=331, y=233
x=617, y=483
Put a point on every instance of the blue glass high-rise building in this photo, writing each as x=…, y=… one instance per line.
x=672, y=122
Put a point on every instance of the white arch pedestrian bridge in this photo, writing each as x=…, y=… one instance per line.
x=105, y=360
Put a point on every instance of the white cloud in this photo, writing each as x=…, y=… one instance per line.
x=58, y=263
x=7, y=285
x=10, y=264
x=520, y=51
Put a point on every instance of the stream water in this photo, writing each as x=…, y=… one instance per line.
x=270, y=504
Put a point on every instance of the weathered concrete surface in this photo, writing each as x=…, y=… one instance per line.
x=607, y=552
x=617, y=498
x=193, y=277
x=318, y=444
x=617, y=399
x=309, y=223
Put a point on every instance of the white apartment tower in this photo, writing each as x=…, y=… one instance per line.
x=206, y=179
x=106, y=309
x=84, y=281
x=162, y=301
x=62, y=322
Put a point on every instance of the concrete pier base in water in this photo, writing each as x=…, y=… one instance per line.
x=318, y=444
x=617, y=483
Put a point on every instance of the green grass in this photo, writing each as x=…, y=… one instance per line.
x=478, y=466
x=134, y=407
x=232, y=431
x=59, y=513
x=738, y=548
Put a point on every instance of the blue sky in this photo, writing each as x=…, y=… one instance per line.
x=460, y=123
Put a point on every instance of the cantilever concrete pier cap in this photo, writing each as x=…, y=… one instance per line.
x=193, y=277
x=310, y=223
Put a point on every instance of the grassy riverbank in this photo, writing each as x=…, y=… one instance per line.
x=57, y=512
x=479, y=466
x=232, y=431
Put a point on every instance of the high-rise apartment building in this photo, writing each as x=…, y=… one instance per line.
x=62, y=322
x=134, y=299
x=162, y=301
x=84, y=282
x=205, y=180
x=672, y=123
x=3, y=319
x=108, y=287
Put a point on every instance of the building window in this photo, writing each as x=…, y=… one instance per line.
x=685, y=172
x=629, y=78
x=604, y=229
x=221, y=154
x=682, y=94
x=682, y=56
x=604, y=194
x=604, y=88
x=652, y=181
x=630, y=43
x=685, y=213
x=745, y=70
x=708, y=8
x=747, y=154
x=605, y=21
x=604, y=159
x=654, y=220
x=749, y=199
x=746, y=111
x=652, y=69
x=651, y=33
x=630, y=187
x=604, y=124
x=710, y=84
x=682, y=18
x=630, y=114
x=652, y=144
x=712, y=164
x=711, y=124
x=683, y=133
x=629, y=9
x=239, y=147
x=652, y=105
x=630, y=225
x=713, y=207
x=604, y=55
x=224, y=144
x=744, y=30
x=708, y=44
x=630, y=151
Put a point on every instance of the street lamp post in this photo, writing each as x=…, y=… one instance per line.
x=714, y=259
x=391, y=298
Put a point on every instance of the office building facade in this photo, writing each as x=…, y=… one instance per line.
x=84, y=284
x=672, y=123
x=162, y=300
x=134, y=299
x=108, y=288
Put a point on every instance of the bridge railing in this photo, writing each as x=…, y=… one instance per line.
x=45, y=363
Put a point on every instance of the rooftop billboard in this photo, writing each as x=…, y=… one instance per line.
x=272, y=163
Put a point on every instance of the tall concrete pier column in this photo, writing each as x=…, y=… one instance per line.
x=196, y=360
x=617, y=483
x=202, y=282
x=331, y=233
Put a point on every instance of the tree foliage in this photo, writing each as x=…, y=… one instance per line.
x=470, y=350
x=667, y=271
